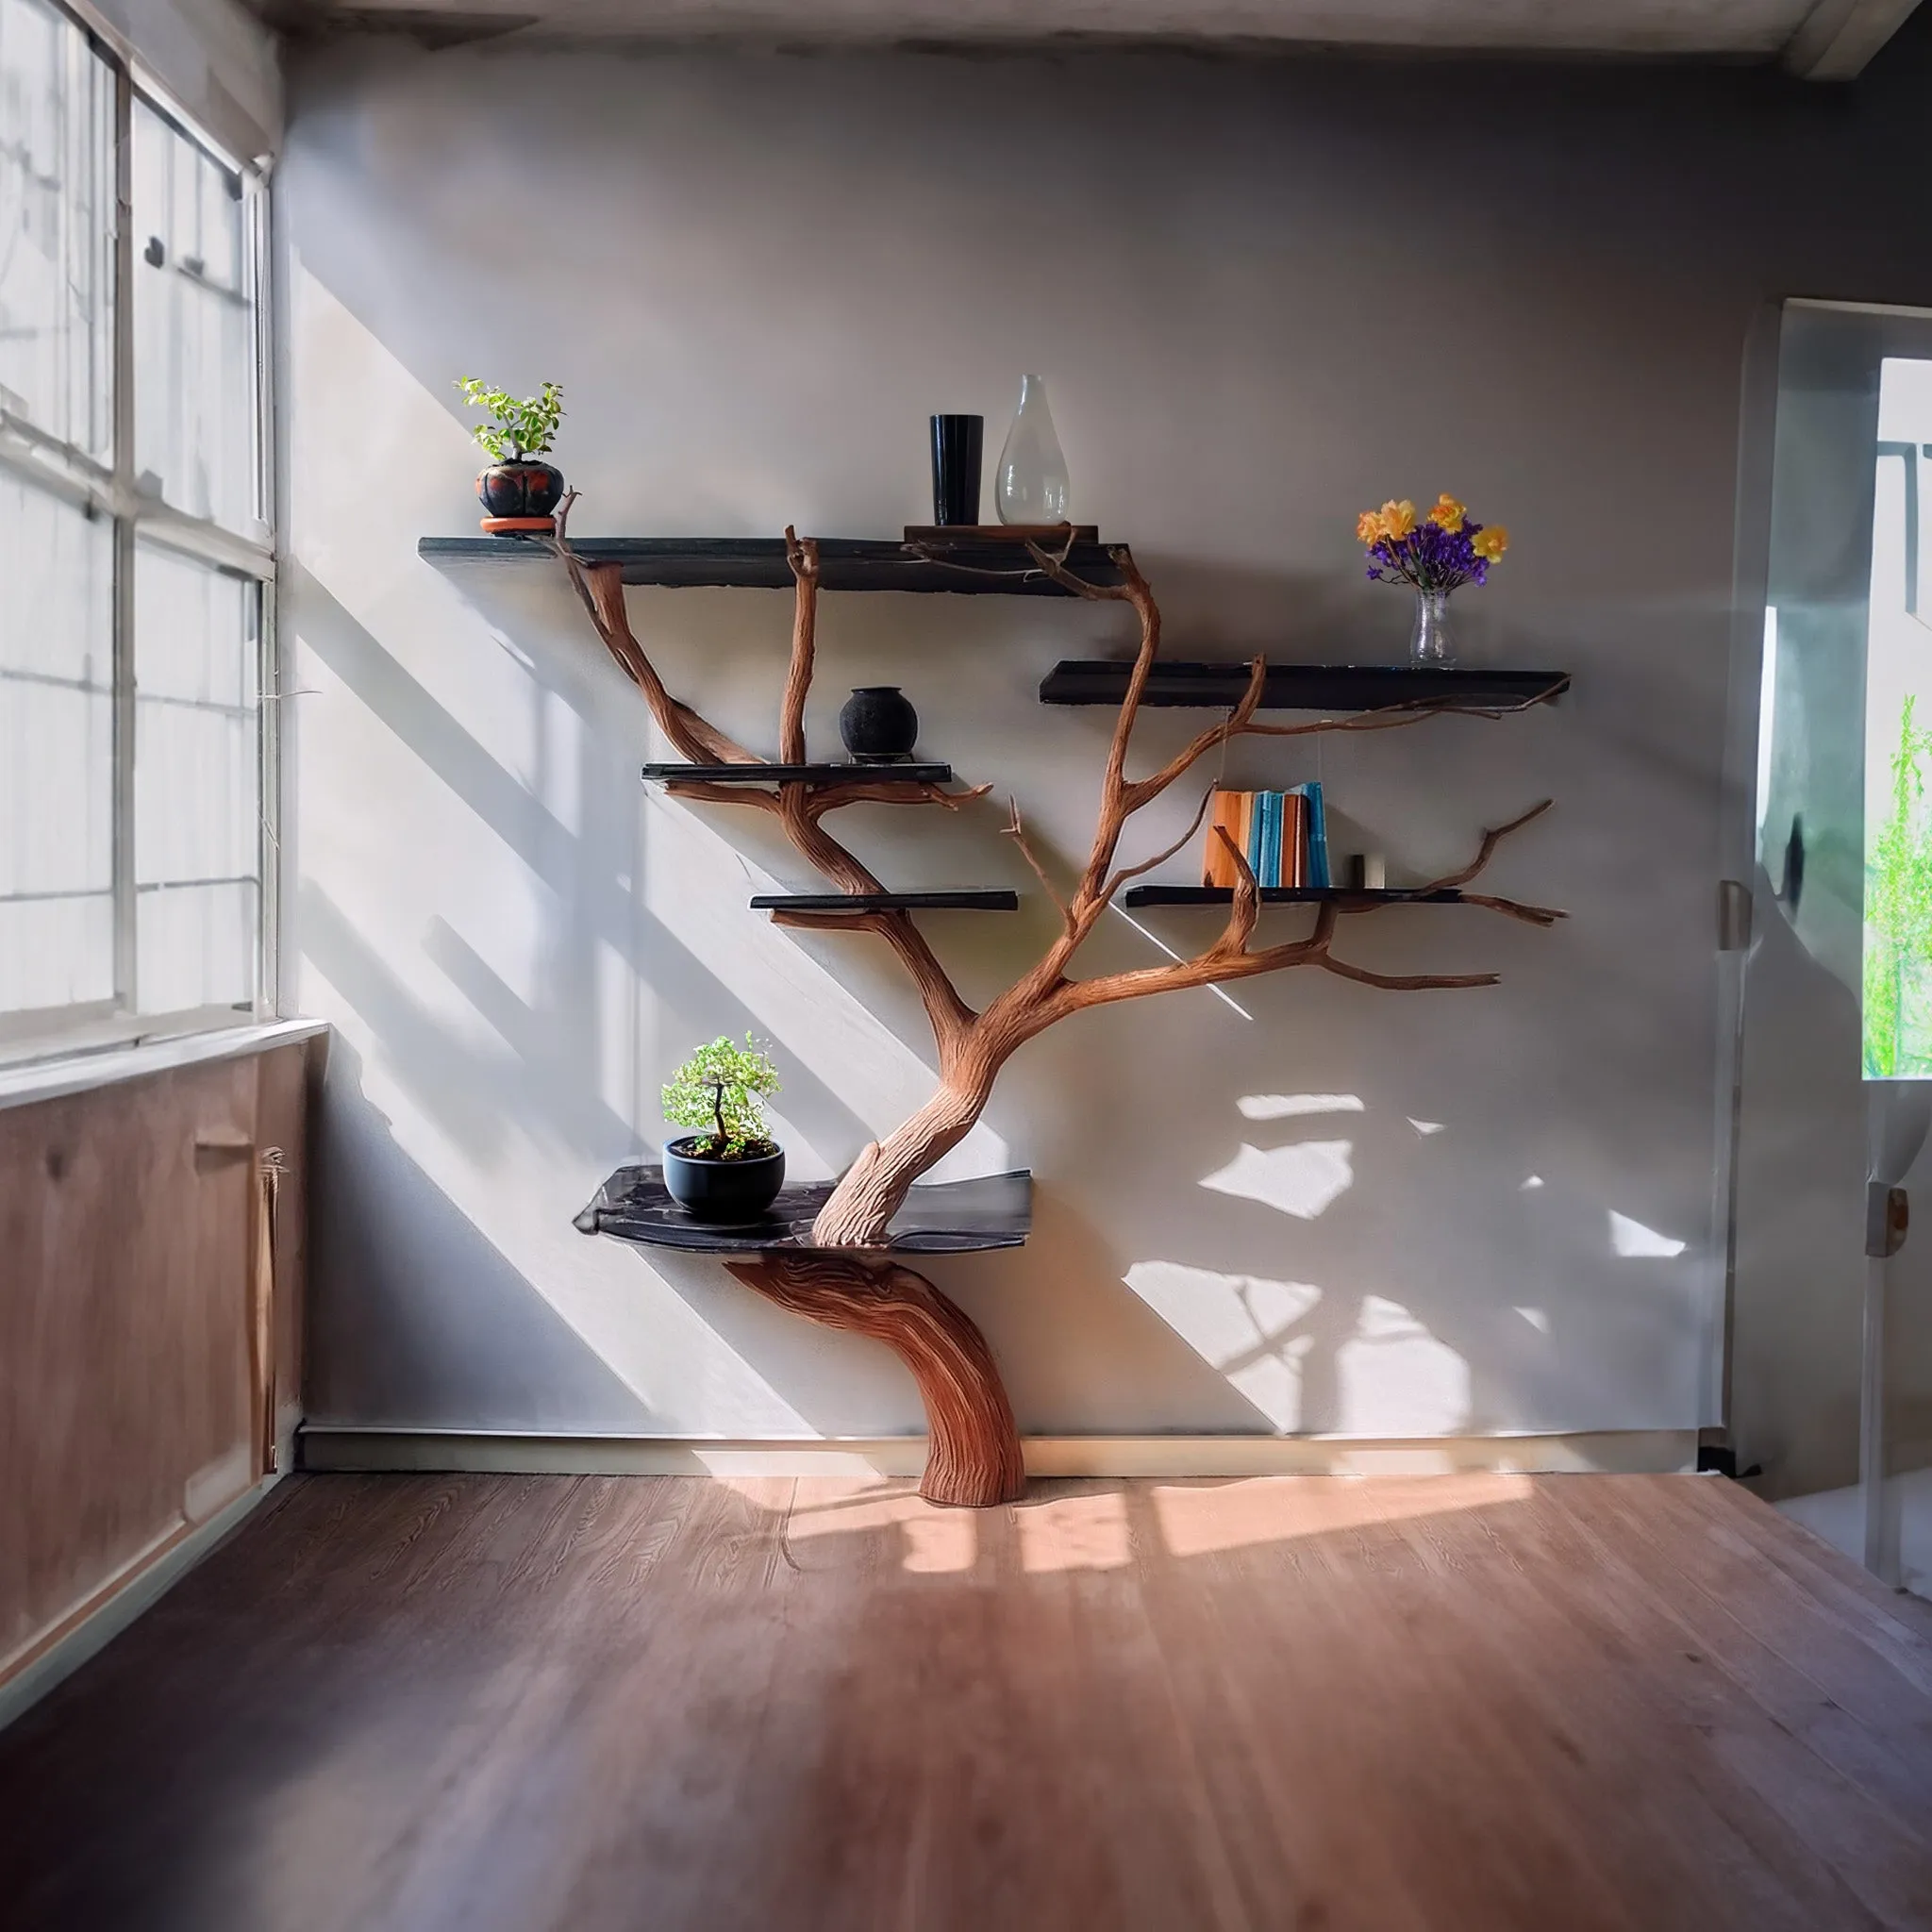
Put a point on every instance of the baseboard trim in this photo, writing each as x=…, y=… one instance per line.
x=61, y=1650
x=344, y=1448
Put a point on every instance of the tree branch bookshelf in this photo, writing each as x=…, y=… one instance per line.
x=841, y=1268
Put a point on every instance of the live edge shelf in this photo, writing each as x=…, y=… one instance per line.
x=1292, y=895
x=757, y=563
x=939, y=1217
x=992, y=900
x=1302, y=687
x=905, y=772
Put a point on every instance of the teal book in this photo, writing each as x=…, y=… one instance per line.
x=1319, y=873
x=1257, y=819
x=1269, y=873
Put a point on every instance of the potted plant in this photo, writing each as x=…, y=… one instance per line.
x=518, y=491
x=733, y=1173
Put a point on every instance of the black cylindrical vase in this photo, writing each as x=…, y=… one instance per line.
x=956, y=443
x=878, y=725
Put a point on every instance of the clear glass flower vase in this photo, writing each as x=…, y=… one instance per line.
x=1031, y=482
x=1430, y=644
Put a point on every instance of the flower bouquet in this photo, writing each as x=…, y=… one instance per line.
x=1435, y=555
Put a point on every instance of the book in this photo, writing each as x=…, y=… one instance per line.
x=1283, y=836
x=1291, y=867
x=1217, y=861
x=1318, y=871
x=1315, y=864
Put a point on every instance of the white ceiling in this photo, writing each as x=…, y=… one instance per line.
x=1825, y=39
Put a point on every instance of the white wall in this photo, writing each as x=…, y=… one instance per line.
x=217, y=60
x=1263, y=295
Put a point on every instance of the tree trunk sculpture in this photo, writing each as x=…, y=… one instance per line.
x=843, y=1280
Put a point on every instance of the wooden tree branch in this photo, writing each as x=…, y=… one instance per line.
x=804, y=560
x=600, y=586
x=1160, y=857
x=1404, y=982
x=949, y=1015
x=974, y=1460
x=1015, y=829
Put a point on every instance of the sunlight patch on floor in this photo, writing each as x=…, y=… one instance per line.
x=1083, y=1531
x=1196, y=1519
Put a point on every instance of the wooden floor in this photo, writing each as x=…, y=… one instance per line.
x=409, y=1703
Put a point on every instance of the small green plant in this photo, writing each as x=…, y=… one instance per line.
x=719, y=1087
x=1898, y=910
x=519, y=429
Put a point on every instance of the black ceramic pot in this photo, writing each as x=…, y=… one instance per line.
x=519, y=491
x=725, y=1193
x=878, y=724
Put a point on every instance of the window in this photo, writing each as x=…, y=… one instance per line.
x=136, y=562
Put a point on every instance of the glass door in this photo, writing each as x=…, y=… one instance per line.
x=1831, y=1337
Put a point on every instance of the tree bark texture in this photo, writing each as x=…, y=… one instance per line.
x=974, y=1455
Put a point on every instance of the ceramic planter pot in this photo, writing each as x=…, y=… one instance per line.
x=878, y=725
x=520, y=495
x=723, y=1193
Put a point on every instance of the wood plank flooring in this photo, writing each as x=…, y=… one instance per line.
x=1464, y=1704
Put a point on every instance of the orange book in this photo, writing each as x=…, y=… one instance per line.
x=1228, y=813
x=1294, y=838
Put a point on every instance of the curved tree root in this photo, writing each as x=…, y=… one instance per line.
x=974, y=1455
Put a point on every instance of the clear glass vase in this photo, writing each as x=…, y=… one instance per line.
x=1430, y=644
x=1032, y=478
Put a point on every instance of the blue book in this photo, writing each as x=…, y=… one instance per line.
x=1258, y=814
x=1269, y=873
x=1318, y=837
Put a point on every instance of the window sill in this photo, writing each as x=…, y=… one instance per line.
x=79, y=1073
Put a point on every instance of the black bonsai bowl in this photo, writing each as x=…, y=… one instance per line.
x=723, y=1193
x=520, y=495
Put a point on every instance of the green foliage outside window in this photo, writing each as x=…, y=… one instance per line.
x=1898, y=910
x=519, y=428
x=719, y=1087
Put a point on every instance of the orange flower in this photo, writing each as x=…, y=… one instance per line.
x=1448, y=513
x=1492, y=542
x=1398, y=519
x=1369, y=527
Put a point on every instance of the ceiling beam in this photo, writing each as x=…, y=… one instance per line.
x=1839, y=36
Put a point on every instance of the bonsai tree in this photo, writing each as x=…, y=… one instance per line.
x=517, y=430
x=721, y=1086
x=846, y=1277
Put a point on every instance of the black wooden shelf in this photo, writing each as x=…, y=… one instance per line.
x=845, y=563
x=939, y=1217
x=1299, y=687
x=1292, y=895
x=905, y=772
x=888, y=901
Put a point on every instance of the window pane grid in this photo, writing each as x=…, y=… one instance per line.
x=194, y=329
x=133, y=741
x=57, y=233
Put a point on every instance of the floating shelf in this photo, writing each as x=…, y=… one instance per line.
x=888, y=901
x=939, y=1217
x=1298, y=686
x=904, y=772
x=845, y=563
x=1292, y=895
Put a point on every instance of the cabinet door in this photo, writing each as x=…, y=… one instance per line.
x=127, y=1240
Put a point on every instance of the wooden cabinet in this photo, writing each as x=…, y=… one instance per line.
x=150, y=1324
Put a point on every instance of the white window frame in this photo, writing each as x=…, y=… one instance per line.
x=70, y=473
